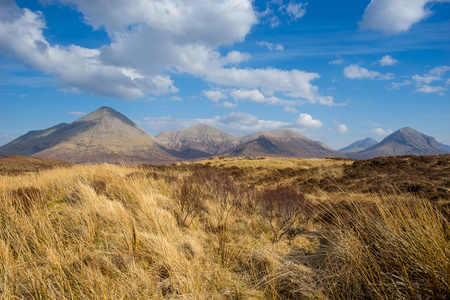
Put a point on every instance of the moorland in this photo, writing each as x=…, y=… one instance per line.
x=226, y=228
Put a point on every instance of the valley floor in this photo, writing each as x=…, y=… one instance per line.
x=228, y=229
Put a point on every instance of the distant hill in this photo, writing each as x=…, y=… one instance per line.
x=445, y=147
x=280, y=133
x=274, y=146
x=14, y=164
x=360, y=145
x=405, y=141
x=104, y=135
x=198, y=141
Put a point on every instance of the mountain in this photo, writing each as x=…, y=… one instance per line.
x=104, y=135
x=405, y=141
x=198, y=141
x=445, y=147
x=293, y=145
x=324, y=145
x=360, y=145
x=29, y=143
x=280, y=133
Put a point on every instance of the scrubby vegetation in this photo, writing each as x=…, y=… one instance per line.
x=227, y=229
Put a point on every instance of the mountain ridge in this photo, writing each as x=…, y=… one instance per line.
x=359, y=145
x=106, y=135
x=405, y=141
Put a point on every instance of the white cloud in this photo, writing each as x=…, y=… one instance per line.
x=338, y=61
x=227, y=104
x=396, y=85
x=387, y=60
x=306, y=121
x=253, y=95
x=149, y=41
x=341, y=128
x=270, y=46
x=166, y=123
x=235, y=122
x=357, y=72
x=428, y=89
x=381, y=131
x=215, y=96
x=176, y=98
x=435, y=74
x=394, y=16
x=293, y=83
x=77, y=113
x=290, y=109
x=240, y=118
x=22, y=38
x=294, y=10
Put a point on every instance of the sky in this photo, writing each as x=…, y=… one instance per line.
x=335, y=71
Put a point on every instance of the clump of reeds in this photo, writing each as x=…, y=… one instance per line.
x=396, y=247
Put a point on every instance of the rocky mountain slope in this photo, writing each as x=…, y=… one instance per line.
x=360, y=145
x=104, y=135
x=276, y=146
x=198, y=141
x=405, y=141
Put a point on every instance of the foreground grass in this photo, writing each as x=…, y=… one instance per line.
x=184, y=232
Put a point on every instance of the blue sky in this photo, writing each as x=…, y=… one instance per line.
x=335, y=71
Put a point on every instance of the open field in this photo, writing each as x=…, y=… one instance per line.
x=228, y=229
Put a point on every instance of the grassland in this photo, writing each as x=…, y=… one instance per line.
x=228, y=229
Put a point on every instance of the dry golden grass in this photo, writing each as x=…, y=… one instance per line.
x=118, y=232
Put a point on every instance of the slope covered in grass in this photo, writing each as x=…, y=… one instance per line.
x=215, y=230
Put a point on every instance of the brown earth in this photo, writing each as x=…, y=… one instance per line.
x=16, y=164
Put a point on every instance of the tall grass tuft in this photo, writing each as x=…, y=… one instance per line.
x=396, y=247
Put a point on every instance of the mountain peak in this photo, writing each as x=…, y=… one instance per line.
x=106, y=113
x=200, y=137
x=404, y=141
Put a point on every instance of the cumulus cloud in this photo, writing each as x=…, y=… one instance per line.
x=22, y=38
x=381, y=131
x=215, y=96
x=435, y=74
x=357, y=72
x=306, y=121
x=395, y=16
x=293, y=83
x=387, y=60
x=235, y=122
x=341, y=128
x=253, y=95
x=270, y=46
x=150, y=40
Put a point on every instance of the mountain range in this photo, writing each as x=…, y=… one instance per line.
x=106, y=135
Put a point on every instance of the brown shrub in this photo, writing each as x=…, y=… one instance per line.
x=281, y=208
